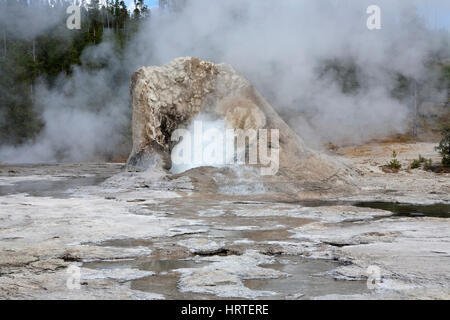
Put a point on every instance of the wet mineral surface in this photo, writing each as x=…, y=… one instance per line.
x=71, y=231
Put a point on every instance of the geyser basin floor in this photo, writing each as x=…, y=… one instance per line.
x=53, y=180
x=146, y=226
x=306, y=278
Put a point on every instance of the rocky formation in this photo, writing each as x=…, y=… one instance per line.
x=168, y=97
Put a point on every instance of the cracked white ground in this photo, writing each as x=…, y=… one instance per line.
x=140, y=236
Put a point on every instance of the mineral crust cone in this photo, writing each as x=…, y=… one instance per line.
x=169, y=97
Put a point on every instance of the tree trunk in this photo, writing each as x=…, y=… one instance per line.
x=4, y=43
x=34, y=50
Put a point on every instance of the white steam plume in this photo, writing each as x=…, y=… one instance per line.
x=280, y=46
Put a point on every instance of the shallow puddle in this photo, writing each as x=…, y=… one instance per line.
x=154, y=265
x=34, y=179
x=304, y=282
x=122, y=243
x=54, y=189
x=166, y=279
x=163, y=282
x=438, y=210
x=166, y=285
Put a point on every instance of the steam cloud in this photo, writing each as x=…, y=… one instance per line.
x=279, y=46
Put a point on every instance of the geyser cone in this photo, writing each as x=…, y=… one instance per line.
x=169, y=97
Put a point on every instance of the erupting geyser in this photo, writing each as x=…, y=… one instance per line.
x=168, y=98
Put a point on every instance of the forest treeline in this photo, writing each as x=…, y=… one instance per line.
x=26, y=58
